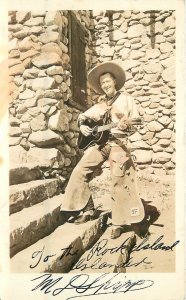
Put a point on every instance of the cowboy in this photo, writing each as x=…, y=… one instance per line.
x=107, y=79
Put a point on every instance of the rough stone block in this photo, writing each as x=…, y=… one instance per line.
x=37, y=21
x=164, y=134
x=13, y=61
x=36, y=30
x=118, y=35
x=157, y=148
x=169, y=74
x=38, y=123
x=33, y=223
x=140, y=145
x=25, y=127
x=16, y=70
x=55, y=70
x=51, y=111
x=166, y=47
x=13, y=141
x=46, y=158
x=22, y=33
x=45, y=138
x=22, y=16
x=161, y=157
x=15, y=131
x=148, y=136
x=107, y=51
x=52, y=47
x=15, y=27
x=159, y=28
x=28, y=194
x=25, y=44
x=43, y=83
x=47, y=101
x=59, y=121
x=29, y=53
x=153, y=53
x=49, y=36
x=136, y=46
x=169, y=23
x=17, y=154
x=27, y=62
x=46, y=59
x=135, y=137
x=34, y=112
x=14, y=121
x=38, y=13
x=55, y=94
x=27, y=94
x=129, y=64
x=30, y=73
x=164, y=120
x=13, y=44
x=59, y=261
x=164, y=142
x=24, y=173
x=167, y=103
x=153, y=68
x=53, y=18
x=143, y=156
x=135, y=31
x=42, y=73
x=136, y=54
x=155, y=126
x=14, y=53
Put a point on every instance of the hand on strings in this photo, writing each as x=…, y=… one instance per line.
x=124, y=123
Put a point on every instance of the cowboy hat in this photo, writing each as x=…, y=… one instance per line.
x=106, y=67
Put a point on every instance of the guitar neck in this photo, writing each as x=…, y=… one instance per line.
x=107, y=127
x=112, y=125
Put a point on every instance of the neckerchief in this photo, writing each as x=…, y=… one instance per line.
x=110, y=101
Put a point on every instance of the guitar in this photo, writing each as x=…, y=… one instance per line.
x=100, y=132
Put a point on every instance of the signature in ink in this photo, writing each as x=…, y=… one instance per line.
x=83, y=285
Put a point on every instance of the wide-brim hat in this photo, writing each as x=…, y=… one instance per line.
x=106, y=67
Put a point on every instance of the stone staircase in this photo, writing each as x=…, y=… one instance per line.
x=40, y=238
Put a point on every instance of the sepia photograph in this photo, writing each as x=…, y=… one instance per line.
x=92, y=141
x=92, y=150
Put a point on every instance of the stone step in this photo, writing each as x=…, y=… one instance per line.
x=24, y=173
x=33, y=223
x=61, y=249
x=107, y=255
x=30, y=193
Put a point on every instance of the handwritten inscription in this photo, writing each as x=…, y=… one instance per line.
x=83, y=285
x=40, y=255
x=94, y=258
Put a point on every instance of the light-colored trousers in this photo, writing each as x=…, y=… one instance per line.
x=126, y=204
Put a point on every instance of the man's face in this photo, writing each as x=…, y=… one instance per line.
x=107, y=83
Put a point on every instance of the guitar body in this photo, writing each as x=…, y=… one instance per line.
x=100, y=133
x=99, y=138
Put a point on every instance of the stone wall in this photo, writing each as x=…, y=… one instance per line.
x=144, y=44
x=43, y=126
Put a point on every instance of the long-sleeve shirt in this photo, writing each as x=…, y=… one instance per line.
x=124, y=105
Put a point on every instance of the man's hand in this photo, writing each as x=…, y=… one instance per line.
x=85, y=130
x=124, y=123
